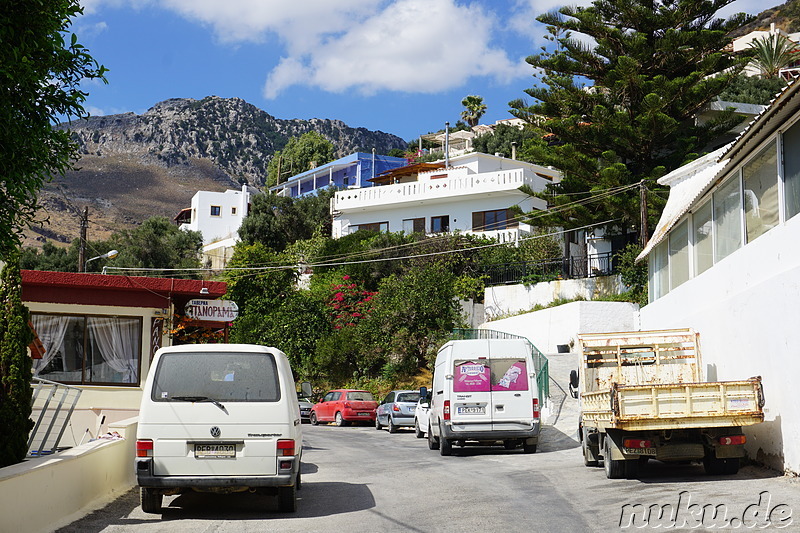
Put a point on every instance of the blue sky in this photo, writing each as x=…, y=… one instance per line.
x=399, y=66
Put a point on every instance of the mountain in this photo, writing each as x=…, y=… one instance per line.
x=136, y=166
x=784, y=16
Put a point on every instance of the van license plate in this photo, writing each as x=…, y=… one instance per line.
x=478, y=410
x=214, y=451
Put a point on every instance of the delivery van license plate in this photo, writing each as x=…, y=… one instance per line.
x=214, y=451
x=472, y=410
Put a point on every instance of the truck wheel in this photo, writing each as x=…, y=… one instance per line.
x=445, y=446
x=528, y=448
x=151, y=501
x=287, y=499
x=390, y=425
x=417, y=431
x=313, y=419
x=615, y=469
x=589, y=456
x=433, y=442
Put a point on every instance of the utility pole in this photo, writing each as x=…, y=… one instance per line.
x=82, y=248
x=643, y=214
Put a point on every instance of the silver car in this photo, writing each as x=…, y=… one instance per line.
x=397, y=410
x=305, y=408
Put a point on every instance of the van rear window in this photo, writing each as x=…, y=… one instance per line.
x=486, y=375
x=223, y=376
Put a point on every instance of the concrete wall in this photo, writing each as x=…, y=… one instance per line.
x=227, y=223
x=46, y=493
x=747, y=309
x=548, y=328
x=509, y=299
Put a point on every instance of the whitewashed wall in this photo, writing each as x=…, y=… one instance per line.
x=548, y=328
x=508, y=299
x=225, y=225
x=747, y=309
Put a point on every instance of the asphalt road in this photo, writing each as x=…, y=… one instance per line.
x=357, y=479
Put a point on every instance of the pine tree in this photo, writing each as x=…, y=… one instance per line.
x=620, y=110
x=15, y=367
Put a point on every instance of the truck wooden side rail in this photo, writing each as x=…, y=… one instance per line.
x=643, y=396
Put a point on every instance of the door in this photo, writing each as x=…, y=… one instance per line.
x=512, y=398
x=471, y=405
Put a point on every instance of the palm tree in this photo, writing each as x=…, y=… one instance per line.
x=475, y=108
x=774, y=52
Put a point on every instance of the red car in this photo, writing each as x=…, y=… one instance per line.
x=343, y=406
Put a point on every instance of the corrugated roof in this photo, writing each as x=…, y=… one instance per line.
x=686, y=184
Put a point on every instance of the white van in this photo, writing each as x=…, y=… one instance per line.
x=219, y=418
x=484, y=390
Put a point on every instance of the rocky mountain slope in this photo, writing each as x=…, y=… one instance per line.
x=136, y=166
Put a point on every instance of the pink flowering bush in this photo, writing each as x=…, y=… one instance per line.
x=349, y=303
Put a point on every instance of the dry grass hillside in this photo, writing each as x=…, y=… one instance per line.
x=121, y=191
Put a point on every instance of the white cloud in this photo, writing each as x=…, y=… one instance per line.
x=412, y=45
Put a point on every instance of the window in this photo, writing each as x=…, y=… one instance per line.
x=440, y=224
x=216, y=210
x=659, y=272
x=414, y=225
x=679, y=255
x=360, y=396
x=490, y=375
x=225, y=376
x=761, y=192
x=493, y=220
x=233, y=211
x=727, y=219
x=703, y=249
x=89, y=349
x=375, y=226
x=791, y=161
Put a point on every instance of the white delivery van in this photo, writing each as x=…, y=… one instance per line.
x=219, y=418
x=484, y=390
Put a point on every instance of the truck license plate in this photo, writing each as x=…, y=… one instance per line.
x=214, y=451
x=476, y=410
x=640, y=451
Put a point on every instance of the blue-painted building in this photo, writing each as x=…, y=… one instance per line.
x=354, y=170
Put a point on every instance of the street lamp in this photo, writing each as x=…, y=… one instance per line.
x=107, y=255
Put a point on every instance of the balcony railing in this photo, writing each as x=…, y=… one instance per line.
x=506, y=180
x=531, y=272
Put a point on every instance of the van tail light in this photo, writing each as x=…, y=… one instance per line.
x=637, y=444
x=536, y=408
x=395, y=408
x=144, y=448
x=446, y=410
x=285, y=447
x=732, y=439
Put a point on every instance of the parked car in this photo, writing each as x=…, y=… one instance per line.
x=217, y=416
x=305, y=407
x=397, y=410
x=343, y=406
x=421, y=414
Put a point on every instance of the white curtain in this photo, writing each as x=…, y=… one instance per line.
x=116, y=338
x=51, y=330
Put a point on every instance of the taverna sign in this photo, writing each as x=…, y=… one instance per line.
x=212, y=310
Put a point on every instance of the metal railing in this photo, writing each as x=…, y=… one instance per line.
x=52, y=406
x=530, y=272
x=541, y=365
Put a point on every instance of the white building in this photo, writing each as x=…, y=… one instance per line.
x=745, y=42
x=478, y=193
x=218, y=216
x=724, y=260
